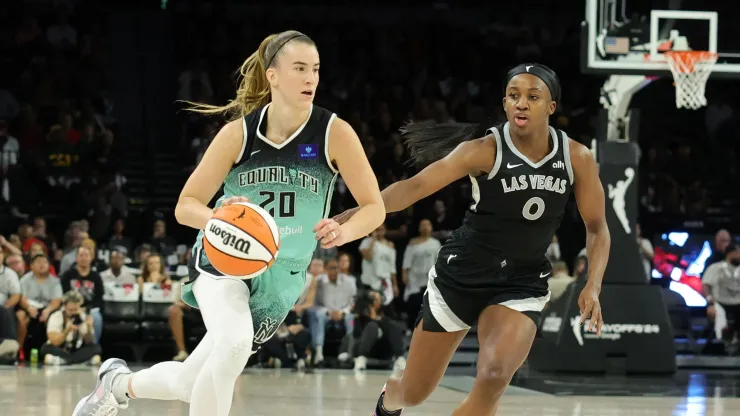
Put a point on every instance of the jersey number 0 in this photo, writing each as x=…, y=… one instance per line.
x=539, y=209
x=285, y=202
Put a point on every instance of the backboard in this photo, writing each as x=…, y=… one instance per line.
x=621, y=37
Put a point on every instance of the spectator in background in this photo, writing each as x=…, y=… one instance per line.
x=178, y=312
x=291, y=332
x=553, y=250
x=308, y=295
x=161, y=243
x=87, y=282
x=26, y=234
x=118, y=272
x=140, y=255
x=441, y=222
x=379, y=264
x=374, y=335
x=10, y=297
x=37, y=248
x=118, y=241
x=96, y=264
x=71, y=335
x=335, y=294
x=345, y=265
x=580, y=270
x=42, y=295
x=646, y=252
x=39, y=232
x=721, y=240
x=420, y=255
x=16, y=263
x=153, y=271
x=9, y=248
x=559, y=281
x=76, y=235
x=325, y=254
x=721, y=284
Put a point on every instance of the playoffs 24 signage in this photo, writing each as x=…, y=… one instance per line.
x=609, y=332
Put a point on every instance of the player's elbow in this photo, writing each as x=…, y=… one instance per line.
x=180, y=212
x=597, y=226
x=376, y=213
x=183, y=210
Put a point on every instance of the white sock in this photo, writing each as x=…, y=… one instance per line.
x=120, y=387
x=320, y=352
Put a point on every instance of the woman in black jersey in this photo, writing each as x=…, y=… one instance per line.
x=493, y=270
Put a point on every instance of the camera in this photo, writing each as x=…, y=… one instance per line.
x=76, y=320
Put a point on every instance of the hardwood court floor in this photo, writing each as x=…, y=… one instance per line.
x=55, y=391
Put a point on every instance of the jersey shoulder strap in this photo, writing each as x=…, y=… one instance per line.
x=249, y=129
x=498, y=133
x=564, y=140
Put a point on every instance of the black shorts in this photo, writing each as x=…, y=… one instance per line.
x=461, y=285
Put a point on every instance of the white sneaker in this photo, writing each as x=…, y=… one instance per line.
x=318, y=358
x=9, y=347
x=101, y=401
x=300, y=365
x=360, y=363
x=95, y=360
x=400, y=364
x=343, y=357
x=53, y=360
x=181, y=356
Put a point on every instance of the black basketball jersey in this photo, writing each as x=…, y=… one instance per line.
x=518, y=206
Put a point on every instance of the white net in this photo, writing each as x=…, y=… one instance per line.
x=690, y=72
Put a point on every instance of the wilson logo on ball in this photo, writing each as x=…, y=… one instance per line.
x=241, y=240
x=229, y=239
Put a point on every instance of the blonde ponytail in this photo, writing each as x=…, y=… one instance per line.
x=254, y=89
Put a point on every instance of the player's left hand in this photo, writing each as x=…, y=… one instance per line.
x=590, y=306
x=329, y=233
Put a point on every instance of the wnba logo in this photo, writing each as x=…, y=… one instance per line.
x=229, y=239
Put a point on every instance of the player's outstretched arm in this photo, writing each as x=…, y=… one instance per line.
x=192, y=206
x=469, y=158
x=590, y=198
x=346, y=151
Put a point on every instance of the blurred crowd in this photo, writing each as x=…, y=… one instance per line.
x=59, y=161
x=57, y=136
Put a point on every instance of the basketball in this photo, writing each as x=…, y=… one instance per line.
x=241, y=240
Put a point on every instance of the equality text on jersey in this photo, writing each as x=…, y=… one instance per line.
x=534, y=182
x=279, y=174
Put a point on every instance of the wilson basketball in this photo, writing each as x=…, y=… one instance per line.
x=241, y=240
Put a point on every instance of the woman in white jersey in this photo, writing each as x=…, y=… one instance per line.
x=273, y=104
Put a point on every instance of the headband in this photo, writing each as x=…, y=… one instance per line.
x=269, y=61
x=542, y=72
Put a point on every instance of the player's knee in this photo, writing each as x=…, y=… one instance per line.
x=232, y=350
x=495, y=372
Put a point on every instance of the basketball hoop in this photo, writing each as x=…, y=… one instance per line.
x=690, y=71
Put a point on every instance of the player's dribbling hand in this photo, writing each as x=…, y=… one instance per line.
x=590, y=306
x=345, y=216
x=231, y=200
x=329, y=233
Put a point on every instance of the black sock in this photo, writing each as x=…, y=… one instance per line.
x=380, y=410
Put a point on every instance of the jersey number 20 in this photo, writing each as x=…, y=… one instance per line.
x=285, y=203
x=535, y=204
